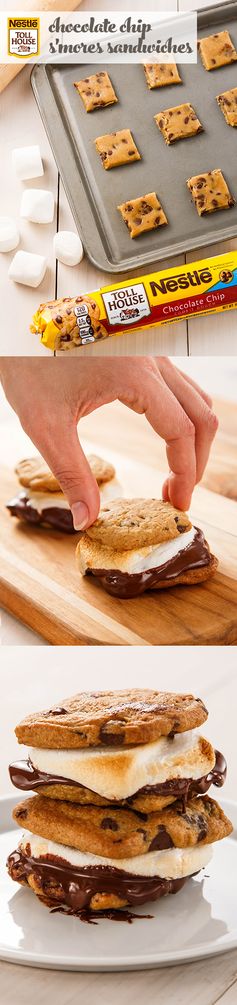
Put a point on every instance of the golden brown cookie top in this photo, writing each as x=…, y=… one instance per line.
x=102, y=470
x=125, y=524
x=34, y=473
x=112, y=719
x=123, y=833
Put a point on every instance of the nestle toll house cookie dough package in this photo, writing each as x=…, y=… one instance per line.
x=197, y=288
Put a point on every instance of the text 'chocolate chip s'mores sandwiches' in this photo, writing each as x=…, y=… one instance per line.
x=121, y=814
x=143, y=544
x=42, y=500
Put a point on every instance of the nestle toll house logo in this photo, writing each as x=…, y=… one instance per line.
x=23, y=36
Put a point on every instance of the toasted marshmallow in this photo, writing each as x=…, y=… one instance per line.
x=172, y=863
x=49, y=500
x=118, y=773
x=93, y=555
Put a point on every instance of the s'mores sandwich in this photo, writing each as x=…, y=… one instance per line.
x=42, y=501
x=120, y=814
x=143, y=544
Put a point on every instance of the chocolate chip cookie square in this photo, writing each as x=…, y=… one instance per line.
x=217, y=50
x=117, y=148
x=144, y=213
x=161, y=74
x=210, y=192
x=228, y=104
x=178, y=123
x=96, y=91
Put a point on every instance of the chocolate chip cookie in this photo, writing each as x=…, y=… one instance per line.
x=123, y=833
x=96, y=91
x=135, y=523
x=178, y=123
x=112, y=719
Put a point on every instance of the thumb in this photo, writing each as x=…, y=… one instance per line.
x=71, y=468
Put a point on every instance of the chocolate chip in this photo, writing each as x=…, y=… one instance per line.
x=21, y=814
x=181, y=528
x=57, y=711
x=145, y=207
x=161, y=840
x=109, y=824
x=186, y=120
x=109, y=738
x=58, y=319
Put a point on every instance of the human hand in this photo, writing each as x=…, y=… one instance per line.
x=51, y=396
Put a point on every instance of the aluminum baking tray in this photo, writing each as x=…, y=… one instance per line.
x=94, y=193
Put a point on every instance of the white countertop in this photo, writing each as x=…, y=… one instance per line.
x=20, y=124
x=26, y=689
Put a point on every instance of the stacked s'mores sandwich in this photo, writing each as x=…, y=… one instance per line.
x=143, y=544
x=122, y=812
x=41, y=500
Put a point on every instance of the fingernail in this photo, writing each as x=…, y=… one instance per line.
x=80, y=515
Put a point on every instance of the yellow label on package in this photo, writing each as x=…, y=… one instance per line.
x=185, y=291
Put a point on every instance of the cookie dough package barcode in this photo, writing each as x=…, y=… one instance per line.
x=197, y=288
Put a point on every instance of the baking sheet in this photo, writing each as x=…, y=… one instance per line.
x=94, y=193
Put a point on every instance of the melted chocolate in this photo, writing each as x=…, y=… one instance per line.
x=55, y=516
x=78, y=885
x=126, y=585
x=186, y=788
x=24, y=776
x=92, y=917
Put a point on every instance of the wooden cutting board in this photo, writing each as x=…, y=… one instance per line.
x=40, y=585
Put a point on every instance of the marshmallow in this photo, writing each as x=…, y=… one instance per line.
x=9, y=236
x=27, y=162
x=48, y=500
x=172, y=863
x=94, y=555
x=27, y=268
x=118, y=773
x=41, y=500
x=67, y=247
x=37, y=205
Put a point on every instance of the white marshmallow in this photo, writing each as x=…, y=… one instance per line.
x=118, y=773
x=9, y=235
x=37, y=205
x=172, y=863
x=27, y=162
x=134, y=561
x=67, y=247
x=27, y=268
x=41, y=500
x=47, y=500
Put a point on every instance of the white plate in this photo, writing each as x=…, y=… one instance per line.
x=199, y=921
